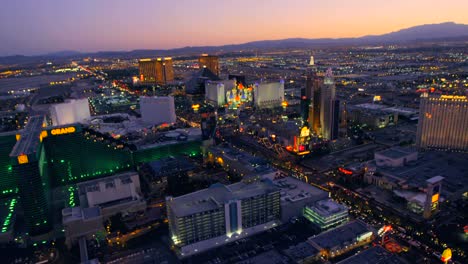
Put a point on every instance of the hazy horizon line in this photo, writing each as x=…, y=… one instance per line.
x=215, y=45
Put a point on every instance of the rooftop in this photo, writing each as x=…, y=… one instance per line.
x=397, y=152
x=29, y=140
x=342, y=235
x=301, y=251
x=370, y=106
x=124, y=177
x=170, y=165
x=173, y=137
x=328, y=207
x=451, y=166
x=293, y=190
x=216, y=196
x=269, y=257
x=71, y=214
x=373, y=255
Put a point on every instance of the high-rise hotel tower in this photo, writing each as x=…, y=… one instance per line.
x=329, y=108
x=154, y=71
x=443, y=122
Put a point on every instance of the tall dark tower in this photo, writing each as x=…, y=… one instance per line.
x=329, y=108
x=313, y=85
x=30, y=170
x=305, y=104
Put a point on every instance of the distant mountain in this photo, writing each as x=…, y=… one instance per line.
x=431, y=31
x=63, y=53
x=436, y=32
x=448, y=31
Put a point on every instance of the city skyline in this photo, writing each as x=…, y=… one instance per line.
x=32, y=28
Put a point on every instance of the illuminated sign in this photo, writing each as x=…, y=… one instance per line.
x=459, y=97
x=435, y=197
x=18, y=137
x=446, y=255
x=22, y=159
x=63, y=130
x=42, y=135
x=364, y=236
x=345, y=171
x=305, y=132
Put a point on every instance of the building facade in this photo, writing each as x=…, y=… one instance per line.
x=158, y=110
x=156, y=71
x=443, y=122
x=326, y=214
x=329, y=108
x=29, y=165
x=221, y=214
x=210, y=62
x=269, y=94
x=313, y=85
x=72, y=111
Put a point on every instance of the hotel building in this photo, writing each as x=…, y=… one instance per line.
x=443, y=122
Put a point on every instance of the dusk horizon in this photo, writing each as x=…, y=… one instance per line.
x=226, y=44
x=30, y=28
x=221, y=132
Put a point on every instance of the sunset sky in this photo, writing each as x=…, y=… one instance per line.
x=40, y=26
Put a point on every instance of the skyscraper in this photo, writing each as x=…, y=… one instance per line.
x=164, y=70
x=30, y=170
x=329, y=108
x=313, y=85
x=210, y=62
x=443, y=122
x=154, y=71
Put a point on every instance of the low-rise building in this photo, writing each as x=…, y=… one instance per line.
x=342, y=239
x=395, y=157
x=81, y=222
x=295, y=196
x=326, y=214
x=239, y=163
x=303, y=252
x=221, y=214
x=114, y=194
x=374, y=255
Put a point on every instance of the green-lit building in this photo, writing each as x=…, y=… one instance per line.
x=30, y=171
x=39, y=158
x=8, y=185
x=326, y=214
x=82, y=155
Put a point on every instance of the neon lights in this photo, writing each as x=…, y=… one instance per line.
x=43, y=135
x=23, y=159
x=11, y=210
x=305, y=132
x=456, y=97
x=63, y=131
x=446, y=255
x=345, y=171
